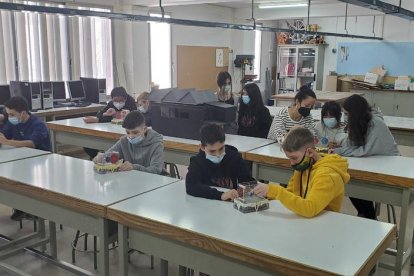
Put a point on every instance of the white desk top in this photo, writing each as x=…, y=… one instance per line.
x=396, y=166
x=242, y=143
x=62, y=109
x=76, y=178
x=8, y=153
x=327, y=242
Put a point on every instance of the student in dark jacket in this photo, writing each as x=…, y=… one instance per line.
x=120, y=102
x=254, y=118
x=216, y=165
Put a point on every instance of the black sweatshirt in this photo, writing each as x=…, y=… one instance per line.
x=202, y=173
x=254, y=124
x=129, y=105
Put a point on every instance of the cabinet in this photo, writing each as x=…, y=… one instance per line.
x=391, y=103
x=298, y=65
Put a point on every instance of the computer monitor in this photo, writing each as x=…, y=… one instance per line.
x=4, y=94
x=91, y=87
x=59, y=91
x=76, y=90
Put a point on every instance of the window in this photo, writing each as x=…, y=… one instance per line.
x=257, y=52
x=160, y=47
x=7, y=52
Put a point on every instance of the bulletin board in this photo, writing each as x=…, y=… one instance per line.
x=196, y=66
x=360, y=57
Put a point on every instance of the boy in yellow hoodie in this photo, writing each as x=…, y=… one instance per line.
x=318, y=181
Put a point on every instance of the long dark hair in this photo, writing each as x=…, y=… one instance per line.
x=333, y=109
x=303, y=93
x=359, y=118
x=222, y=77
x=256, y=101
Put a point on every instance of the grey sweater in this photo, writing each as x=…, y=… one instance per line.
x=147, y=156
x=379, y=141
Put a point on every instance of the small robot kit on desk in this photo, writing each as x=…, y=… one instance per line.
x=247, y=201
x=322, y=149
x=119, y=118
x=107, y=162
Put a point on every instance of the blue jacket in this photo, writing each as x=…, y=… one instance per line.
x=34, y=129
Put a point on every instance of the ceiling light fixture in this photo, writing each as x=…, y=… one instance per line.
x=282, y=5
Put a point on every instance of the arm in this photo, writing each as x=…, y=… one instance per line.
x=277, y=130
x=100, y=115
x=156, y=163
x=321, y=193
x=197, y=186
x=14, y=143
x=243, y=173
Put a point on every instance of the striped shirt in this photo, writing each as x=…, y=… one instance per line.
x=282, y=123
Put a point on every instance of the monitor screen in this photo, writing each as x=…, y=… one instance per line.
x=76, y=90
x=4, y=94
x=59, y=91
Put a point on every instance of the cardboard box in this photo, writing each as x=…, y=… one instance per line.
x=332, y=83
x=402, y=83
x=372, y=78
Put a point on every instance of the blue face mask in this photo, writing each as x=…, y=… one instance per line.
x=135, y=140
x=330, y=122
x=142, y=109
x=14, y=120
x=215, y=159
x=245, y=99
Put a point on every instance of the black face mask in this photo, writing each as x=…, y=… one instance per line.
x=304, y=111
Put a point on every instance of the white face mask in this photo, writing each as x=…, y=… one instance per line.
x=215, y=159
x=142, y=109
x=227, y=88
x=119, y=105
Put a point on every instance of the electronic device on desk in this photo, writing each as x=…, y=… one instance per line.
x=4, y=95
x=247, y=201
x=77, y=94
x=31, y=91
x=95, y=90
x=59, y=94
x=47, y=95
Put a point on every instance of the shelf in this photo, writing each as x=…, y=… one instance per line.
x=286, y=76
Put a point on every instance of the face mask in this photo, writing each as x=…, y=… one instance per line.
x=135, y=140
x=142, y=109
x=215, y=159
x=119, y=105
x=303, y=165
x=246, y=99
x=14, y=120
x=330, y=122
x=227, y=88
x=304, y=111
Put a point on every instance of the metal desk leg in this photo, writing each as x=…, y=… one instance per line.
x=103, y=258
x=42, y=232
x=53, y=141
x=182, y=270
x=401, y=235
x=164, y=267
x=52, y=239
x=123, y=249
x=255, y=170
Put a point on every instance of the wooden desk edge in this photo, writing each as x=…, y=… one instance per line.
x=397, y=181
x=84, y=131
x=53, y=197
x=373, y=259
x=71, y=111
x=239, y=253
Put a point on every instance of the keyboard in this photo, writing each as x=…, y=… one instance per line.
x=82, y=104
x=57, y=105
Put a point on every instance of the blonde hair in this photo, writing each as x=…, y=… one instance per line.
x=142, y=96
x=297, y=139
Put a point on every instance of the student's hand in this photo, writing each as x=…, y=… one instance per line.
x=331, y=151
x=229, y=195
x=124, y=112
x=90, y=119
x=110, y=112
x=261, y=189
x=332, y=145
x=126, y=166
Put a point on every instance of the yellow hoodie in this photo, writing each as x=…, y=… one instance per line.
x=327, y=180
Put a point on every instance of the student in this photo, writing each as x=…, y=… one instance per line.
x=330, y=130
x=224, y=93
x=298, y=114
x=318, y=182
x=217, y=165
x=254, y=118
x=121, y=101
x=23, y=129
x=3, y=118
x=367, y=135
x=142, y=148
x=144, y=107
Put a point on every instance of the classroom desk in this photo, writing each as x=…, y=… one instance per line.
x=53, y=113
x=104, y=135
x=8, y=153
x=66, y=190
x=402, y=128
x=213, y=237
x=384, y=179
x=286, y=99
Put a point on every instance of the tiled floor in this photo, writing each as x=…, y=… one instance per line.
x=140, y=263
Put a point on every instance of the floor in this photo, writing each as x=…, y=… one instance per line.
x=140, y=263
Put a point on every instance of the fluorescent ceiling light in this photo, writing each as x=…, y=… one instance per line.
x=282, y=5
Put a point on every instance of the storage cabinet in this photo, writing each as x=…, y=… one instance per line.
x=298, y=65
